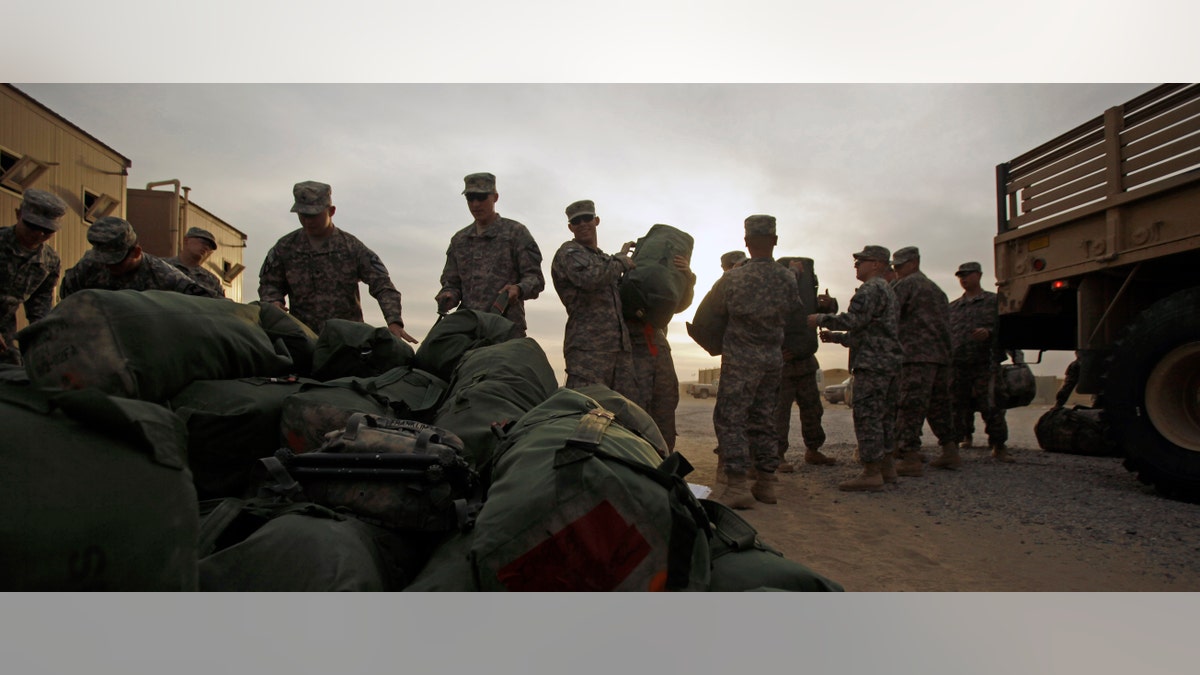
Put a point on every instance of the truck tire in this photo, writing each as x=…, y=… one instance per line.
x=1151, y=396
x=703, y=393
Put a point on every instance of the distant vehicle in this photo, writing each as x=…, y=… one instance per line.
x=698, y=390
x=841, y=392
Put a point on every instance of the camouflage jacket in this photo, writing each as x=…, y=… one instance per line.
x=758, y=297
x=967, y=314
x=586, y=282
x=872, y=324
x=153, y=274
x=924, y=319
x=26, y=278
x=478, y=265
x=199, y=275
x=322, y=283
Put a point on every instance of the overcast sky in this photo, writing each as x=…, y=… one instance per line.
x=839, y=165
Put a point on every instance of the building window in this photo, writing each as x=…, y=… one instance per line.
x=96, y=206
x=18, y=172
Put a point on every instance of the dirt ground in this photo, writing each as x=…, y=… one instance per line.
x=927, y=534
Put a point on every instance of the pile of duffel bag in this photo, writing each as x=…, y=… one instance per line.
x=238, y=450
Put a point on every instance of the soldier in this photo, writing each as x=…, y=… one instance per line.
x=973, y=319
x=656, y=387
x=198, y=247
x=925, y=369
x=29, y=268
x=318, y=268
x=871, y=326
x=731, y=260
x=1070, y=381
x=757, y=298
x=492, y=255
x=596, y=347
x=116, y=262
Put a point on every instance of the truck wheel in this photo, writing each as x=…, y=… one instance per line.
x=703, y=393
x=1151, y=395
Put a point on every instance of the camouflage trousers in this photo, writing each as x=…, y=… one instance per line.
x=972, y=390
x=798, y=384
x=588, y=366
x=656, y=386
x=924, y=394
x=744, y=418
x=874, y=410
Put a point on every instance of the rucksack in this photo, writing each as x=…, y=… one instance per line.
x=652, y=291
x=355, y=349
x=707, y=326
x=454, y=335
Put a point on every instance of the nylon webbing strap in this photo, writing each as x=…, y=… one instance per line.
x=590, y=430
x=215, y=523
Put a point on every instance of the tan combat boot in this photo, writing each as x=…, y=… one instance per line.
x=1000, y=454
x=871, y=479
x=764, y=487
x=949, y=458
x=734, y=492
x=966, y=442
x=910, y=464
x=815, y=456
x=887, y=468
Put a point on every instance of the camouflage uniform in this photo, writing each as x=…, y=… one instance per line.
x=479, y=264
x=758, y=296
x=26, y=278
x=322, y=281
x=925, y=373
x=596, y=347
x=974, y=367
x=199, y=275
x=871, y=323
x=798, y=384
x=153, y=274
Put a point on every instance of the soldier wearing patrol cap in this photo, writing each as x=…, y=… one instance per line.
x=925, y=370
x=29, y=268
x=318, y=267
x=116, y=262
x=975, y=355
x=596, y=347
x=870, y=326
x=491, y=256
x=732, y=259
x=198, y=246
x=757, y=298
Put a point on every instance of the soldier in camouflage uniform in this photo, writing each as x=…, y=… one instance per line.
x=656, y=383
x=596, y=347
x=871, y=326
x=925, y=370
x=116, y=262
x=492, y=255
x=29, y=268
x=757, y=299
x=732, y=259
x=318, y=268
x=973, y=319
x=198, y=246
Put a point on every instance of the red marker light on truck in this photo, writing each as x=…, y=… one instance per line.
x=1058, y=285
x=1039, y=264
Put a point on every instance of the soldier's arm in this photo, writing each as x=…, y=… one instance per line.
x=40, y=301
x=681, y=263
x=858, y=314
x=172, y=279
x=70, y=283
x=451, y=293
x=373, y=273
x=272, y=283
x=588, y=272
x=529, y=265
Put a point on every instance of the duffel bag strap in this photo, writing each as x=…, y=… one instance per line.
x=285, y=486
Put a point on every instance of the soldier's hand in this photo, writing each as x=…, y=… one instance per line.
x=825, y=335
x=445, y=301
x=980, y=334
x=514, y=292
x=399, y=332
x=825, y=303
x=682, y=264
x=812, y=320
x=627, y=247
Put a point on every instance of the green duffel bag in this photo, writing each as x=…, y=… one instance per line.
x=11, y=373
x=296, y=337
x=321, y=407
x=95, y=494
x=654, y=289
x=454, y=335
x=628, y=414
x=492, y=387
x=276, y=545
x=707, y=326
x=800, y=340
x=579, y=503
x=741, y=561
x=449, y=566
x=231, y=424
x=147, y=345
x=1078, y=430
x=355, y=349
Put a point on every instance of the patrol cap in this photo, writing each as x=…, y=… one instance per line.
x=111, y=238
x=968, y=267
x=760, y=225
x=43, y=209
x=479, y=182
x=873, y=252
x=583, y=207
x=200, y=233
x=732, y=258
x=906, y=254
x=311, y=197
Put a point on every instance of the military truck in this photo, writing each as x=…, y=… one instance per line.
x=1098, y=250
x=703, y=389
